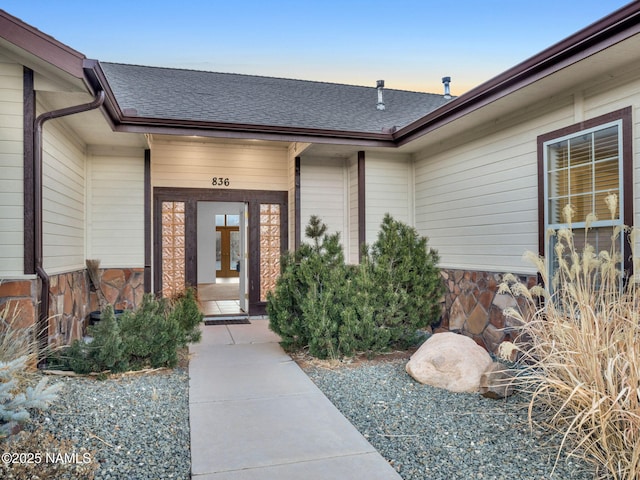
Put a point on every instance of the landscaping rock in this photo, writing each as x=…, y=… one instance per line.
x=497, y=381
x=451, y=361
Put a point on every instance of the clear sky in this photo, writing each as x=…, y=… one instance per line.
x=411, y=44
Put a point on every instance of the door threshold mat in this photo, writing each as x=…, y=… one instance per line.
x=227, y=320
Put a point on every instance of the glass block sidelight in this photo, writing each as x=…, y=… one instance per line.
x=173, y=248
x=269, y=247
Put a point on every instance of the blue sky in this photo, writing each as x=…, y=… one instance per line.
x=410, y=44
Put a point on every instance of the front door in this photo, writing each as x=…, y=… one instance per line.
x=227, y=252
x=254, y=244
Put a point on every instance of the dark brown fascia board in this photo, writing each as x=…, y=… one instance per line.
x=41, y=45
x=262, y=132
x=598, y=36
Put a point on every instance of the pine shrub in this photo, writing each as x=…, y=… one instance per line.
x=151, y=334
x=107, y=350
x=148, y=336
x=338, y=310
x=406, y=281
x=187, y=314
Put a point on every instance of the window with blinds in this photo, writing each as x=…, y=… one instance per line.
x=582, y=170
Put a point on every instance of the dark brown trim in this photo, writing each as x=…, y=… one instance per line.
x=624, y=114
x=191, y=244
x=191, y=197
x=41, y=45
x=148, y=240
x=297, y=219
x=362, y=206
x=160, y=126
x=29, y=116
x=627, y=178
x=254, y=253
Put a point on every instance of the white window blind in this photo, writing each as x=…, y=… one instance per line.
x=582, y=170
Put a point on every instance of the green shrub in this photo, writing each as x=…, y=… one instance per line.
x=107, y=350
x=299, y=306
x=406, y=281
x=151, y=334
x=148, y=336
x=337, y=310
x=188, y=316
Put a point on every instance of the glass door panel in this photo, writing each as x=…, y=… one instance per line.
x=270, y=250
x=173, y=248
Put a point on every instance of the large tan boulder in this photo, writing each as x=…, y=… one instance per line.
x=451, y=361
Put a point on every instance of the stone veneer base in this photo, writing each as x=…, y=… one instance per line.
x=472, y=306
x=72, y=298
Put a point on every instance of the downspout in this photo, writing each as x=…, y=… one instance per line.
x=37, y=205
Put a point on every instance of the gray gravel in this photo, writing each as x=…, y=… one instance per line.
x=430, y=433
x=138, y=425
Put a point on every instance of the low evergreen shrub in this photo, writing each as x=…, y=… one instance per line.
x=107, y=350
x=335, y=310
x=149, y=336
x=188, y=315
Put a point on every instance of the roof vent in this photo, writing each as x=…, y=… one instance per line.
x=447, y=93
x=380, y=86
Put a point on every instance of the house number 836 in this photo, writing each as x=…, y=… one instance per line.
x=220, y=181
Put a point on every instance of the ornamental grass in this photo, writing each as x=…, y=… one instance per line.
x=579, y=349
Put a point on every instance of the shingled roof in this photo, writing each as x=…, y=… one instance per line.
x=190, y=95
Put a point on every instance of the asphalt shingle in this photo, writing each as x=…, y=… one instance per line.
x=190, y=95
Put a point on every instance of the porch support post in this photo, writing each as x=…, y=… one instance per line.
x=29, y=116
x=362, y=214
x=147, y=221
x=297, y=220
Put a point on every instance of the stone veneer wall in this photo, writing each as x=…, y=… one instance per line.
x=122, y=287
x=68, y=306
x=72, y=298
x=473, y=306
x=20, y=297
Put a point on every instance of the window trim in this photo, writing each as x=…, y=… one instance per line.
x=622, y=116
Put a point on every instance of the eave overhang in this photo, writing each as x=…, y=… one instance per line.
x=46, y=48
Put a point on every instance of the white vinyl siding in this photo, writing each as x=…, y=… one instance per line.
x=476, y=197
x=194, y=164
x=388, y=190
x=11, y=180
x=63, y=199
x=322, y=193
x=478, y=203
x=115, y=217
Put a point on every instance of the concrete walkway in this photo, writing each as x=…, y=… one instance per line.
x=255, y=415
